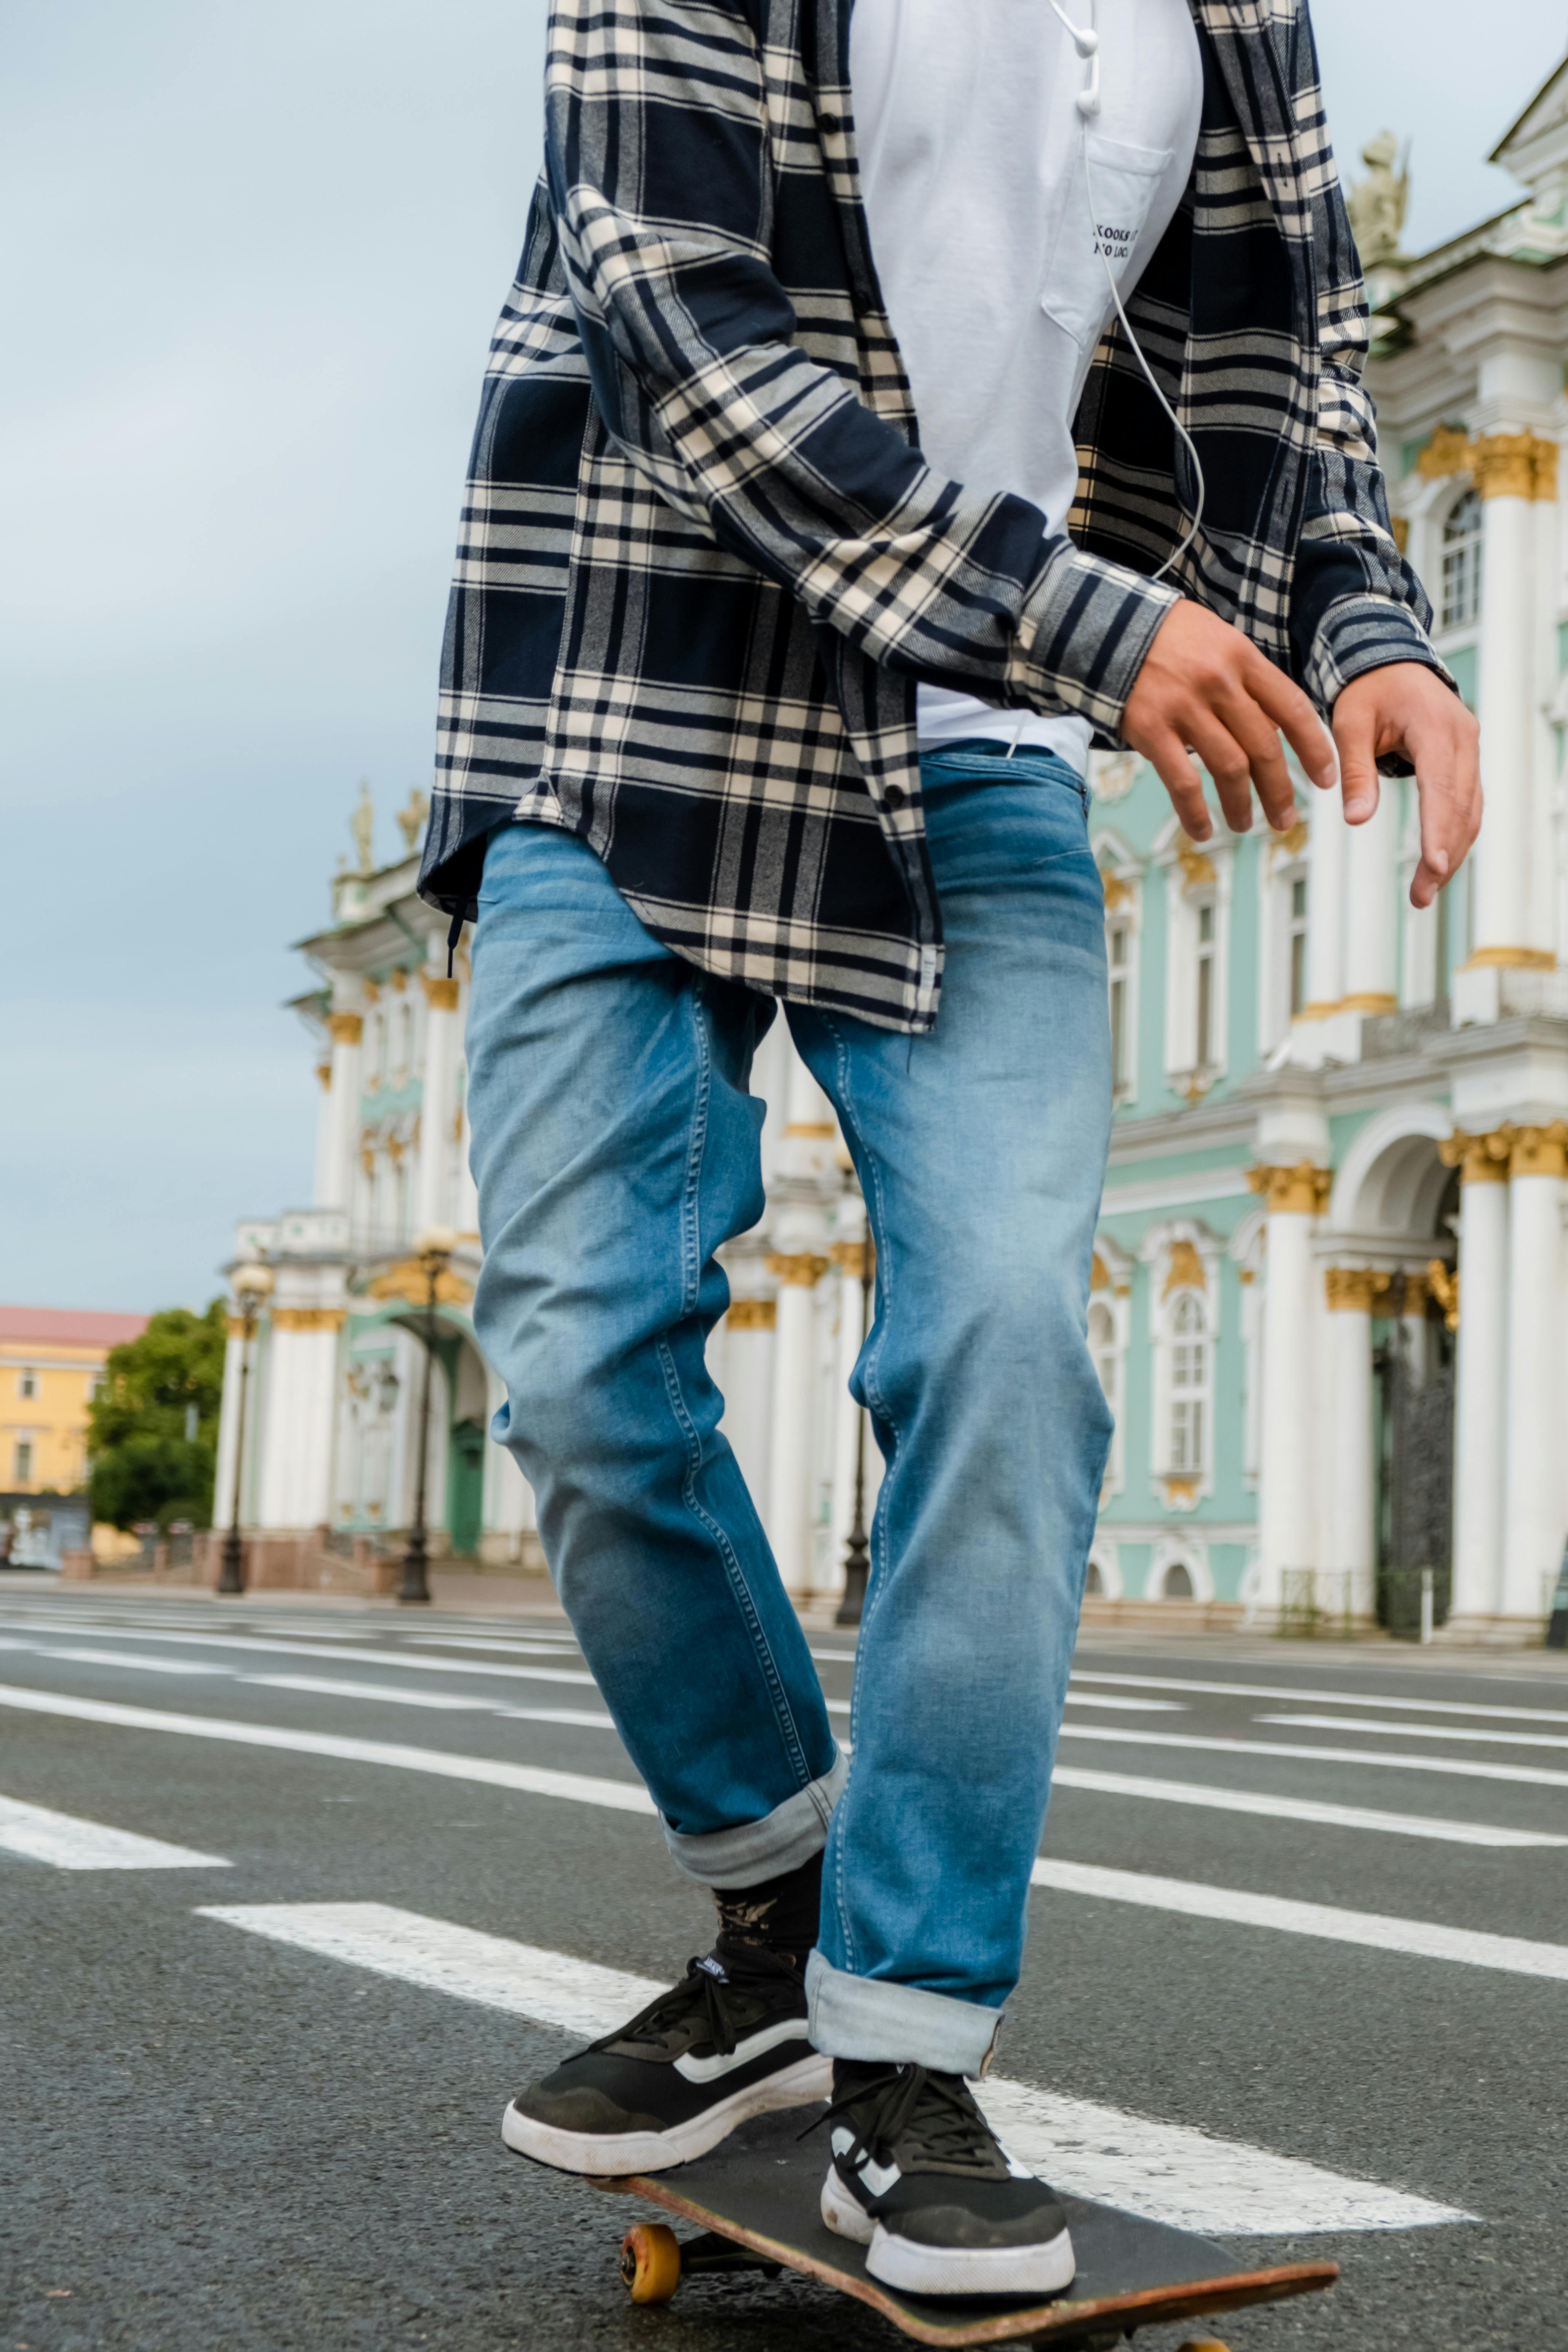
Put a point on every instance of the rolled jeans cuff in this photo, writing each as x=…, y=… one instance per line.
x=901, y=2025
x=781, y=1840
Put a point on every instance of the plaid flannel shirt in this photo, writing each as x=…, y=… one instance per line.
x=704, y=565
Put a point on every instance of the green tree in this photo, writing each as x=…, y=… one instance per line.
x=152, y=1426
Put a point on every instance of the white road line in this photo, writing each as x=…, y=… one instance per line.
x=1295, y=1809
x=578, y=1714
x=534, y=1649
x=624, y=1798
x=1164, y=2171
x=383, y=1658
x=388, y=1696
x=1421, y=1938
x=1328, y=1698
x=40, y=1835
x=1420, y=1730
x=1535, y=1776
x=134, y=1660
x=620, y=1796
x=1126, y=1706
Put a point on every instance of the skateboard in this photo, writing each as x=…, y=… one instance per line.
x=755, y=2203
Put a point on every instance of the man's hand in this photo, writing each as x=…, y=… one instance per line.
x=1405, y=706
x=1203, y=687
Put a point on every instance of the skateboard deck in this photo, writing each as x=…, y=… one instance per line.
x=755, y=2198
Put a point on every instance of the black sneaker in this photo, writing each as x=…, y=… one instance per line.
x=726, y=2043
x=918, y=2177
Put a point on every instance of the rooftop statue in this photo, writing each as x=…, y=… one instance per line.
x=1379, y=203
x=362, y=826
x=411, y=818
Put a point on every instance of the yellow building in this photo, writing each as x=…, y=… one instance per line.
x=51, y=1359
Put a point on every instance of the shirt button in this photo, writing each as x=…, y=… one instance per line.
x=894, y=797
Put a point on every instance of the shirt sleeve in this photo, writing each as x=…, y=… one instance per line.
x=660, y=161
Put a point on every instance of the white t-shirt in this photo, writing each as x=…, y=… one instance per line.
x=971, y=171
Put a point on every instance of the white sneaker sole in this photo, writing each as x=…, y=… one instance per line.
x=947, y=2270
x=601, y=2157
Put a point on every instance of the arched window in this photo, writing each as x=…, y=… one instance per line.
x=1462, y=563
x=1094, y=1582
x=1178, y=1584
x=1189, y=1385
x=1102, y=1346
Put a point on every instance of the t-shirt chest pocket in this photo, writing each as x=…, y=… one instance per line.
x=1124, y=180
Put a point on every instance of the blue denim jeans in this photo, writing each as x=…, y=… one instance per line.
x=616, y=1148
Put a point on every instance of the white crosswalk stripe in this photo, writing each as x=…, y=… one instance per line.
x=1324, y=1697
x=1424, y=1940
x=1295, y=1809
x=1166, y=2171
x=1537, y=1776
x=1491, y=1737
x=37, y=1834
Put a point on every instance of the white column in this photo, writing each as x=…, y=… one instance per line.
x=294, y=1464
x=1349, y=1534
x=443, y=1048
x=1288, y=1536
x=1325, y=908
x=1481, y=1396
x=335, y=1160
x=799, y=1264
x=229, y=1429
x=326, y=1134
x=1508, y=479
x=749, y=1329
x=1371, y=855
x=1532, y=1525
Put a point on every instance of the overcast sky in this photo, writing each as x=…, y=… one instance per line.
x=253, y=257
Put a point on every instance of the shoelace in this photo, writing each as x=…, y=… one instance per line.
x=942, y=2120
x=698, y=1987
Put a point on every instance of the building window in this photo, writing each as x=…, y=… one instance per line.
x=21, y=1468
x=1203, y=1035
x=1298, y=944
x=1189, y=1386
x=1178, y=1584
x=1118, y=957
x=1462, y=563
x=27, y=1384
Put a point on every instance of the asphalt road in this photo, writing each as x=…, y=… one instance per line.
x=279, y=2130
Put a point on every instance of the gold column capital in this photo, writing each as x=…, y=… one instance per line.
x=1448, y=453
x=1353, y=1289
x=1539, y=1150
x=440, y=993
x=799, y=1269
x=324, y=1076
x=1514, y=465
x=857, y=1258
x=752, y=1314
x=1480, y=1159
x=1510, y=959
x=309, y=1318
x=1301, y=1190
x=346, y=1028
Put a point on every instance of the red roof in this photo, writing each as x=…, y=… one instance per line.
x=67, y=1327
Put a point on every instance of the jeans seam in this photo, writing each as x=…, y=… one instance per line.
x=692, y=1269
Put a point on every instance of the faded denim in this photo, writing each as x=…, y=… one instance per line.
x=616, y=1148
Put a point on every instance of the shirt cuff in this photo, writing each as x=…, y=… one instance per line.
x=1082, y=636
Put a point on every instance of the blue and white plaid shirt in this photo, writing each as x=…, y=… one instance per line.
x=704, y=565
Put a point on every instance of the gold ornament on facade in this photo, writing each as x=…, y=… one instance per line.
x=346, y=1028
x=1302, y=1191
x=1445, y=1283
x=411, y=818
x=799, y=1268
x=372, y=992
x=1180, y=1493
x=409, y=1280
x=1539, y=1150
x=1480, y=1159
x=309, y=1318
x=1185, y=1271
x=1401, y=527
x=857, y=1258
x=1510, y=959
x=1099, y=1273
x=398, y=980
x=440, y=993
x=1353, y=1289
x=1369, y=1000
x=1118, y=893
x=1448, y=453
x=324, y=1076
x=1514, y=465
x=752, y=1314
x=1198, y=868
x=1291, y=844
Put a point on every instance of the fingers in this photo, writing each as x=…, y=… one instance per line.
x=1262, y=756
x=1355, y=732
x=1285, y=704
x=1232, y=770
x=1445, y=756
x=1171, y=763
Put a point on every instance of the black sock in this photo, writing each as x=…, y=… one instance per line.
x=779, y=1914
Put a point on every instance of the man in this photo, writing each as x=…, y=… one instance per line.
x=816, y=528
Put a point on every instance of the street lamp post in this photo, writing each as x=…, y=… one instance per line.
x=252, y=1287
x=857, y=1551
x=434, y=1251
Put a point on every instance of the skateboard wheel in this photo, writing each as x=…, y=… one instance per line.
x=651, y=2262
